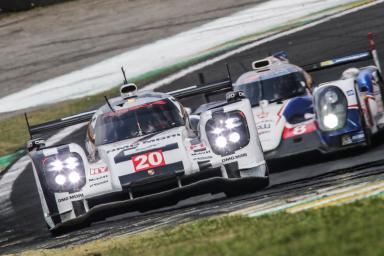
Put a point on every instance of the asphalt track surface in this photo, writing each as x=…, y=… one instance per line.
x=43, y=43
x=344, y=35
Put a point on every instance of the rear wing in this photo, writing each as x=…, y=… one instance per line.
x=59, y=123
x=357, y=57
x=205, y=89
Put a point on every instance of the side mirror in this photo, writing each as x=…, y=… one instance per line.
x=35, y=144
x=234, y=96
x=194, y=121
x=188, y=110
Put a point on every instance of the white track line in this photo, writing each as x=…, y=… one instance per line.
x=169, y=51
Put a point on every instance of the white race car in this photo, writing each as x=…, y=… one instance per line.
x=280, y=95
x=350, y=110
x=141, y=145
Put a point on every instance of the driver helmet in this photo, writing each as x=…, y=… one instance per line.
x=350, y=73
x=147, y=126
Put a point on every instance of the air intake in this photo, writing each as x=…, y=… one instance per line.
x=128, y=90
x=261, y=64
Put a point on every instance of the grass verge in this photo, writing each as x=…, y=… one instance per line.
x=354, y=229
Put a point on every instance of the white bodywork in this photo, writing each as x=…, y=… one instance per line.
x=108, y=172
x=270, y=124
x=269, y=117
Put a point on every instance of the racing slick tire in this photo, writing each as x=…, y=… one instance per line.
x=367, y=132
x=242, y=189
x=58, y=231
x=238, y=191
x=78, y=208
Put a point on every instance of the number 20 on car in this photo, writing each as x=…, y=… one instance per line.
x=148, y=160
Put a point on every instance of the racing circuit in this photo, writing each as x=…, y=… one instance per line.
x=290, y=179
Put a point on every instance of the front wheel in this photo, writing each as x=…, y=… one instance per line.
x=367, y=131
x=247, y=189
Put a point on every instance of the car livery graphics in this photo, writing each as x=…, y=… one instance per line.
x=349, y=111
x=282, y=106
x=141, y=144
x=355, y=109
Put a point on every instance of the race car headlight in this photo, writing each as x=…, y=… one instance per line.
x=234, y=137
x=60, y=179
x=331, y=106
x=330, y=97
x=74, y=177
x=64, y=173
x=227, y=132
x=331, y=121
x=221, y=142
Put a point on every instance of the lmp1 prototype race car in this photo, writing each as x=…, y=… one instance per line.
x=340, y=114
x=280, y=95
x=141, y=145
x=350, y=110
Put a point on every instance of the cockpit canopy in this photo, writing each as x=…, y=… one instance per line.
x=137, y=121
x=274, y=89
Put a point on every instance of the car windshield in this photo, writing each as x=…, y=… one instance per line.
x=274, y=89
x=137, y=121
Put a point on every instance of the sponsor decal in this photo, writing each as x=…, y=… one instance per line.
x=142, y=148
x=264, y=126
x=350, y=93
x=352, y=138
x=148, y=160
x=199, y=153
x=71, y=197
x=344, y=59
x=197, y=147
x=162, y=138
x=263, y=132
x=233, y=158
x=98, y=178
x=299, y=130
x=98, y=170
x=123, y=157
x=326, y=63
x=203, y=158
x=136, y=144
x=151, y=172
x=346, y=140
x=98, y=183
x=126, y=147
x=262, y=115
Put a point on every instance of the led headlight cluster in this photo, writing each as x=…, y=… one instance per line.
x=331, y=105
x=64, y=173
x=227, y=132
